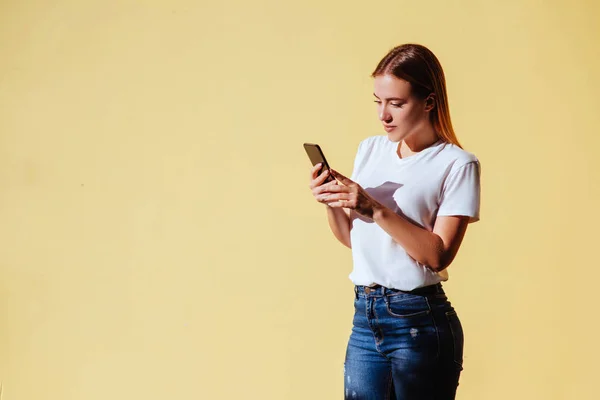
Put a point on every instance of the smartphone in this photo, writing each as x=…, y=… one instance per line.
x=315, y=154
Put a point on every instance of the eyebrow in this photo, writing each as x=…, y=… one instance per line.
x=391, y=98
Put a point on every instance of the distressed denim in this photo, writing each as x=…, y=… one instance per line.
x=403, y=346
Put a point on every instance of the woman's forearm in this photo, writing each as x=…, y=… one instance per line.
x=424, y=246
x=339, y=222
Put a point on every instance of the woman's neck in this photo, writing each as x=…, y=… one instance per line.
x=417, y=142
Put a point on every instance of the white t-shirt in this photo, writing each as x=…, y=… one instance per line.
x=440, y=180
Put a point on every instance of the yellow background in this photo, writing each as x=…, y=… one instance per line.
x=158, y=239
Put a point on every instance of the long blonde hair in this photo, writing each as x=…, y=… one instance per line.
x=417, y=65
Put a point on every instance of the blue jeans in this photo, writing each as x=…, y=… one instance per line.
x=403, y=345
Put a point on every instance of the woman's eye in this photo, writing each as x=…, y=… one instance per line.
x=396, y=104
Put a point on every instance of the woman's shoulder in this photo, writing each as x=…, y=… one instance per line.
x=457, y=156
x=374, y=143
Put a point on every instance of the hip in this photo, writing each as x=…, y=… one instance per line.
x=422, y=319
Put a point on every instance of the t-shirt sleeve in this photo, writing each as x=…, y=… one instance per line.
x=461, y=192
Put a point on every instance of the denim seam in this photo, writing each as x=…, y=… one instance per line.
x=379, y=330
x=368, y=307
x=448, y=313
x=415, y=314
x=389, y=389
x=437, y=332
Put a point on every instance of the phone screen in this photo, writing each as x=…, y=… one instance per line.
x=316, y=156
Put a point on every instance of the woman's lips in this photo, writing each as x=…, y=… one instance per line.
x=389, y=128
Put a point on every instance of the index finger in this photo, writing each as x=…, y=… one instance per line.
x=315, y=169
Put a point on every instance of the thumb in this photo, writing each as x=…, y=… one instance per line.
x=346, y=181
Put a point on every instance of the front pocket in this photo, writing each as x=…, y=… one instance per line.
x=407, y=306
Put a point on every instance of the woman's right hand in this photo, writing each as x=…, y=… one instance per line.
x=319, y=188
x=338, y=218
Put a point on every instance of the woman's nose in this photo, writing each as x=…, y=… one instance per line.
x=384, y=115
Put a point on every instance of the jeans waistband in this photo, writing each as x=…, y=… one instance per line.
x=380, y=291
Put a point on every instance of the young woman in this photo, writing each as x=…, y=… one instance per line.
x=404, y=212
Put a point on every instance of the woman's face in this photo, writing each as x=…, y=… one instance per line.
x=400, y=112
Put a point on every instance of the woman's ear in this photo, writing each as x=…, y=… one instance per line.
x=430, y=102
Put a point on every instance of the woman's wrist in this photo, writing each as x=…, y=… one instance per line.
x=379, y=212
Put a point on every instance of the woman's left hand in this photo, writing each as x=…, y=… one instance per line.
x=350, y=195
